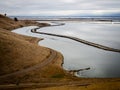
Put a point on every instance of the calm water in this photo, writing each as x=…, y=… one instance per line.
x=77, y=55
x=102, y=33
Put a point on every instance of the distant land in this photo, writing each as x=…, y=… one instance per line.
x=115, y=17
x=77, y=15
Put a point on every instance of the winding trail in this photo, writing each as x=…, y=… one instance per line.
x=78, y=40
x=39, y=85
x=53, y=55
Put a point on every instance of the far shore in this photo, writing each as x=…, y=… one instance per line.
x=75, y=19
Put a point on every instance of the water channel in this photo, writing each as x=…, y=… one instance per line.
x=78, y=55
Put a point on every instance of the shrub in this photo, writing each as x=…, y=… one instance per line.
x=15, y=19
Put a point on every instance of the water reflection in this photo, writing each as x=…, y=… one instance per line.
x=102, y=63
x=104, y=34
x=77, y=55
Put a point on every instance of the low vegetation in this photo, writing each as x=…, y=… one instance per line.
x=17, y=52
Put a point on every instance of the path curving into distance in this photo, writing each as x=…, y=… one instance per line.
x=77, y=39
x=53, y=55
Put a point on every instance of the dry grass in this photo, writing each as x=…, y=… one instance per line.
x=96, y=86
x=17, y=52
x=9, y=24
x=50, y=73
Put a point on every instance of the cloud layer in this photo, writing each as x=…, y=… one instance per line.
x=59, y=7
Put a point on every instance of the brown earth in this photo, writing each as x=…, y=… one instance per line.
x=9, y=24
x=19, y=52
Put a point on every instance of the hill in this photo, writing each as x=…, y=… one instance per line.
x=16, y=51
x=10, y=24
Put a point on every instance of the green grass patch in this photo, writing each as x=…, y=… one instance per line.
x=58, y=76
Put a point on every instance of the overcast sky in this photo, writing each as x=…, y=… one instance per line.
x=59, y=7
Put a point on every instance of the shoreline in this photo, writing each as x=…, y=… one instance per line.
x=78, y=40
x=58, y=63
x=66, y=81
x=72, y=72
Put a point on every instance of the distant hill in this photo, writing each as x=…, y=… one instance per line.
x=10, y=24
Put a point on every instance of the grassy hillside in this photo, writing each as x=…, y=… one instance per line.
x=9, y=24
x=16, y=51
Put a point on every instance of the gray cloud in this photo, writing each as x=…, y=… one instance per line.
x=38, y=7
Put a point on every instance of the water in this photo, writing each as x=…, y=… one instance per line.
x=102, y=33
x=113, y=18
x=77, y=55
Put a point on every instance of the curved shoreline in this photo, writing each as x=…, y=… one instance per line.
x=80, y=83
x=78, y=40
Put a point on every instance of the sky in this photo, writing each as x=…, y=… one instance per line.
x=60, y=7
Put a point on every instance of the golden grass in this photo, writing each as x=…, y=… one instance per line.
x=17, y=52
x=48, y=73
x=96, y=86
x=9, y=24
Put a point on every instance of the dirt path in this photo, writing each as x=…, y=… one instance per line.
x=78, y=40
x=52, y=56
x=39, y=85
